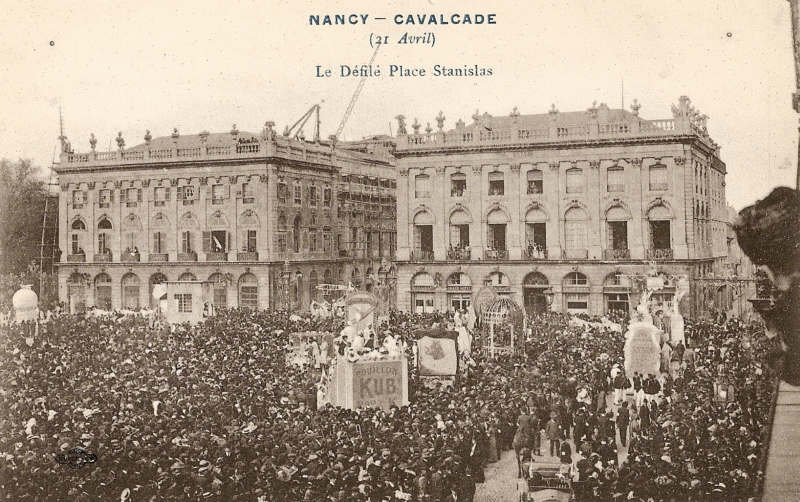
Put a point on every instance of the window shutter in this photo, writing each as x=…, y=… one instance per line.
x=166, y=193
x=209, y=191
x=122, y=194
x=111, y=195
x=226, y=192
x=180, y=193
x=206, y=242
x=139, y=195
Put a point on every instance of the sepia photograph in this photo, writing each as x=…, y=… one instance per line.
x=417, y=250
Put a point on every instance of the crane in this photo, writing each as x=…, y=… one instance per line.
x=302, y=122
x=355, y=97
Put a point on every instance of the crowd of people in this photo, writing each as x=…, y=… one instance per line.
x=213, y=412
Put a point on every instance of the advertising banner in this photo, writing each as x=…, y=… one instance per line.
x=378, y=384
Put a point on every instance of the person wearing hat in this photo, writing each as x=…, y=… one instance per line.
x=554, y=432
x=623, y=420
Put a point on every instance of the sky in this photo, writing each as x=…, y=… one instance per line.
x=202, y=65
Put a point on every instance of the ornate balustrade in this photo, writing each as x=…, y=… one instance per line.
x=659, y=254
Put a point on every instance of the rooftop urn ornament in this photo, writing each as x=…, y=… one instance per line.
x=440, y=120
x=120, y=141
x=234, y=131
x=592, y=111
x=514, y=113
x=429, y=129
x=476, y=117
x=269, y=132
x=175, y=135
x=92, y=141
x=204, y=137
x=416, y=125
x=401, y=124
x=684, y=108
x=147, y=136
x=553, y=110
x=302, y=135
x=635, y=107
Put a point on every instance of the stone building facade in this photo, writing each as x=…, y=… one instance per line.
x=263, y=217
x=575, y=207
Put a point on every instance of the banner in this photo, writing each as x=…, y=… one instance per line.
x=378, y=384
x=437, y=356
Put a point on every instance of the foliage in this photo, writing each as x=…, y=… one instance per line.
x=22, y=200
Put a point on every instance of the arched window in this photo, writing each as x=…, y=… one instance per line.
x=496, y=223
x=535, y=234
x=576, y=237
x=188, y=226
x=423, y=237
x=76, y=238
x=102, y=291
x=617, y=233
x=422, y=186
x=497, y=279
x=615, y=292
x=328, y=277
x=534, y=297
x=130, y=291
x=248, y=232
x=422, y=293
x=187, y=276
x=131, y=227
x=104, y=237
x=313, y=281
x=459, y=232
x=575, y=279
x=535, y=181
x=659, y=219
x=616, y=179
x=155, y=279
x=248, y=291
x=220, y=287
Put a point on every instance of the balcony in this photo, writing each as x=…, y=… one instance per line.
x=659, y=254
x=159, y=257
x=247, y=256
x=617, y=254
x=533, y=253
x=216, y=256
x=420, y=255
x=130, y=257
x=103, y=257
x=457, y=193
x=576, y=254
x=495, y=254
x=187, y=256
x=76, y=258
x=459, y=254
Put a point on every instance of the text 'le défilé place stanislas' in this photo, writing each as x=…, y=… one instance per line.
x=438, y=70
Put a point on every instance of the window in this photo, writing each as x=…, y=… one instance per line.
x=78, y=228
x=658, y=177
x=536, y=236
x=283, y=192
x=296, y=234
x=187, y=194
x=312, y=240
x=248, y=291
x=106, y=197
x=78, y=199
x=575, y=279
x=422, y=186
x=184, y=302
x=218, y=194
x=160, y=196
x=327, y=197
x=131, y=196
x=497, y=236
x=298, y=194
x=576, y=237
x=187, y=244
x=75, y=244
x=217, y=241
x=247, y=194
x=496, y=183
x=458, y=184
x=159, y=242
x=312, y=196
x=102, y=292
x=104, y=237
x=130, y=292
x=575, y=181
x=659, y=234
x=618, y=235
x=131, y=242
x=250, y=244
x=535, y=182
x=220, y=290
x=326, y=242
x=616, y=179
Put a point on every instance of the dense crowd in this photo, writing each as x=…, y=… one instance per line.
x=213, y=412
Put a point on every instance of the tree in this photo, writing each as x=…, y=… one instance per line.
x=22, y=202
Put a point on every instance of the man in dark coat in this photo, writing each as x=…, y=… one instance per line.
x=623, y=420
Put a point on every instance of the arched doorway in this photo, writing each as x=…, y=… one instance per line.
x=220, y=287
x=533, y=289
x=76, y=291
x=155, y=279
x=130, y=291
x=102, y=291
